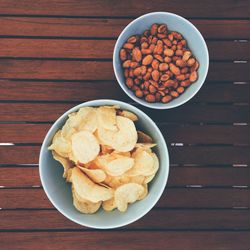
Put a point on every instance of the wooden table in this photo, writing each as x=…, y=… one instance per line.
x=56, y=54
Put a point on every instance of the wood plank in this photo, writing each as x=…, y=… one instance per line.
x=207, y=8
x=67, y=91
x=178, y=155
x=47, y=112
x=85, y=49
x=108, y=28
x=179, y=176
x=171, y=220
x=127, y=240
x=96, y=70
x=187, y=134
x=171, y=198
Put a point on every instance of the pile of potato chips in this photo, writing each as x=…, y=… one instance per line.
x=108, y=161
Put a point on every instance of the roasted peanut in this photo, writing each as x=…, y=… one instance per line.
x=123, y=54
x=167, y=59
x=152, y=89
x=136, y=54
x=167, y=42
x=179, y=52
x=153, y=29
x=168, y=83
x=143, y=70
x=150, y=98
x=185, y=83
x=128, y=46
x=146, y=85
x=175, y=70
x=144, y=45
x=186, y=55
x=159, y=58
x=134, y=65
x=155, y=75
x=193, y=76
x=168, y=52
x=152, y=47
x=180, y=77
x=180, y=63
x=139, y=93
x=180, y=90
x=163, y=66
x=195, y=66
x=177, y=35
x=157, y=97
x=132, y=39
x=191, y=62
x=159, y=48
x=126, y=73
x=129, y=82
x=147, y=60
x=137, y=71
x=126, y=64
x=137, y=81
x=165, y=77
x=147, y=76
x=161, y=36
x=131, y=73
x=174, y=93
x=146, y=51
x=166, y=98
x=171, y=37
x=154, y=83
x=162, y=28
x=184, y=70
x=155, y=64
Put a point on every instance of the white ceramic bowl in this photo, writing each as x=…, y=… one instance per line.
x=175, y=23
x=59, y=192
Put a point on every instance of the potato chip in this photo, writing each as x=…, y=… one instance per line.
x=71, y=125
x=109, y=205
x=149, y=178
x=128, y=115
x=96, y=175
x=156, y=167
x=106, y=117
x=87, y=189
x=88, y=119
x=64, y=161
x=106, y=149
x=68, y=176
x=127, y=193
x=145, y=145
x=118, y=154
x=60, y=145
x=139, y=179
x=119, y=166
x=85, y=147
x=145, y=192
x=84, y=206
x=144, y=164
x=122, y=140
x=144, y=138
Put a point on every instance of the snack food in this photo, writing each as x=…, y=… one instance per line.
x=108, y=161
x=158, y=65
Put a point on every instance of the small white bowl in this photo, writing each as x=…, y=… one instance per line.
x=174, y=22
x=59, y=192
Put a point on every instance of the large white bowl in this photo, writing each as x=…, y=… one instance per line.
x=59, y=192
x=175, y=23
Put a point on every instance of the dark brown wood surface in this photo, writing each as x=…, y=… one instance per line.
x=56, y=54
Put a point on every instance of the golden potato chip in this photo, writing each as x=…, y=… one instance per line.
x=156, y=167
x=88, y=119
x=145, y=192
x=85, y=147
x=68, y=176
x=144, y=164
x=149, y=178
x=87, y=189
x=71, y=125
x=84, y=206
x=128, y=115
x=139, y=179
x=96, y=175
x=118, y=154
x=144, y=138
x=119, y=166
x=109, y=205
x=122, y=140
x=64, y=162
x=60, y=145
x=106, y=117
x=127, y=193
x=145, y=146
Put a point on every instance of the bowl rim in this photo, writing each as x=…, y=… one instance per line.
x=100, y=102
x=167, y=105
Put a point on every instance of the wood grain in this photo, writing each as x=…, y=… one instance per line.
x=207, y=134
x=178, y=176
x=127, y=240
x=171, y=198
x=195, y=8
x=93, y=49
x=73, y=92
x=49, y=112
x=171, y=220
x=179, y=155
x=96, y=70
x=108, y=28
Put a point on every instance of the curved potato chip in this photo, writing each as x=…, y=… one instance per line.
x=145, y=145
x=106, y=117
x=109, y=205
x=118, y=154
x=60, y=145
x=144, y=164
x=127, y=193
x=84, y=206
x=156, y=167
x=149, y=178
x=85, y=147
x=145, y=193
x=122, y=140
x=144, y=138
x=87, y=189
x=96, y=175
x=68, y=176
x=71, y=125
x=67, y=164
x=88, y=119
x=128, y=115
x=139, y=179
x=119, y=166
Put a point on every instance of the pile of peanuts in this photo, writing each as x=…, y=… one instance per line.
x=158, y=65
